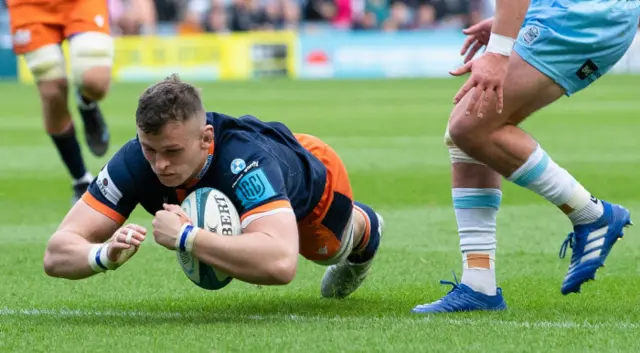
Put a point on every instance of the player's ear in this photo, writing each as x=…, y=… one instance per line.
x=207, y=136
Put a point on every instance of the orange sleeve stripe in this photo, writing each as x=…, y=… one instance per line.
x=102, y=208
x=273, y=205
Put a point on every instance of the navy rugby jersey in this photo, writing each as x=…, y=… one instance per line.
x=260, y=166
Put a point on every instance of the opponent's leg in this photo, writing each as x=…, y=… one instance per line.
x=477, y=196
x=510, y=151
x=48, y=67
x=91, y=54
x=343, y=278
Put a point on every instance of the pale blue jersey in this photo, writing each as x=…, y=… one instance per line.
x=576, y=41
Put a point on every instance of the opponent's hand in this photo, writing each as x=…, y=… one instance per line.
x=488, y=73
x=477, y=37
x=125, y=242
x=167, y=224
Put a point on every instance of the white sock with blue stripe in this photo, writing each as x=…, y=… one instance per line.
x=543, y=176
x=476, y=212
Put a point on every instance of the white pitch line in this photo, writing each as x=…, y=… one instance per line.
x=543, y=324
x=289, y=317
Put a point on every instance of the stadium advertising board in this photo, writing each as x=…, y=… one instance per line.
x=7, y=58
x=237, y=56
x=379, y=55
x=242, y=56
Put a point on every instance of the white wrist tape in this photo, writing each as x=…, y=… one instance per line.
x=186, y=238
x=98, y=259
x=500, y=44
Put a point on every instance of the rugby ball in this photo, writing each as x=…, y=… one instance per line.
x=211, y=210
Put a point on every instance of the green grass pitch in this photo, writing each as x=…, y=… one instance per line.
x=390, y=135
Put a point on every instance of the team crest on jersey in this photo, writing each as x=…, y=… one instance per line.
x=254, y=188
x=530, y=34
x=238, y=165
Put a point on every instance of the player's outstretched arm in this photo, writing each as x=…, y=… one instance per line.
x=78, y=250
x=266, y=253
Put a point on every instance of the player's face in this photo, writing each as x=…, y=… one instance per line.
x=179, y=151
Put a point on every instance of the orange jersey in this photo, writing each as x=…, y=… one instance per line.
x=36, y=23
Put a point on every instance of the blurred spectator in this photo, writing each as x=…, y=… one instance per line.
x=132, y=17
x=400, y=15
x=452, y=13
x=222, y=16
x=374, y=14
x=425, y=17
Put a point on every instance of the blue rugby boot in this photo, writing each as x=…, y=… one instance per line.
x=462, y=298
x=591, y=244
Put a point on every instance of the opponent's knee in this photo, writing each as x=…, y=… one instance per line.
x=91, y=56
x=456, y=154
x=46, y=63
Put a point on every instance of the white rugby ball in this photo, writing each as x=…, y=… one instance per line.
x=211, y=210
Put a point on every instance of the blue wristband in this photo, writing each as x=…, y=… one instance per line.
x=98, y=262
x=184, y=236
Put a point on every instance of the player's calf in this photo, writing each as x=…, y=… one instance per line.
x=346, y=276
x=48, y=68
x=91, y=56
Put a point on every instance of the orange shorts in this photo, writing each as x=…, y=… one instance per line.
x=36, y=23
x=326, y=233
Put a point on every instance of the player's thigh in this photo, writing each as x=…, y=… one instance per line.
x=37, y=37
x=90, y=43
x=87, y=16
x=525, y=88
x=576, y=53
x=324, y=246
x=326, y=234
x=34, y=25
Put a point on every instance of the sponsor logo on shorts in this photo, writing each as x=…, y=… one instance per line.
x=22, y=37
x=588, y=71
x=254, y=188
x=530, y=35
x=99, y=20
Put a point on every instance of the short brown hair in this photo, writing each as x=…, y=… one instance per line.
x=168, y=100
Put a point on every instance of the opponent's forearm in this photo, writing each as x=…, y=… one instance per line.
x=509, y=17
x=67, y=256
x=251, y=257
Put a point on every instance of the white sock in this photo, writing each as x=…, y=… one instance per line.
x=86, y=178
x=543, y=176
x=476, y=211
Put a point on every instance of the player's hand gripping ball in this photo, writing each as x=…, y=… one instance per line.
x=213, y=211
x=125, y=243
x=167, y=224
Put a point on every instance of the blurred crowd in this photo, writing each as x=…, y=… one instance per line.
x=135, y=17
x=158, y=17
